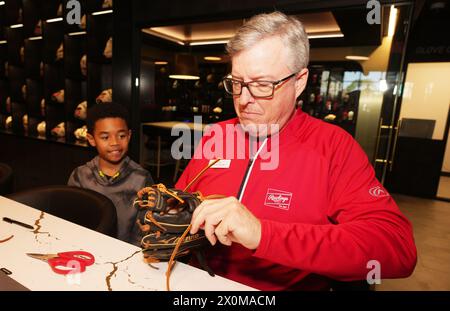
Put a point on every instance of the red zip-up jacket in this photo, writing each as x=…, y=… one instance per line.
x=323, y=213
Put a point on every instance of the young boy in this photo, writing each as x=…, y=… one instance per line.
x=112, y=172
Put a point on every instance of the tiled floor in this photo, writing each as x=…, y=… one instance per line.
x=431, y=223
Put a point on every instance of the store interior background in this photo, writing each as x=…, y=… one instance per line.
x=385, y=84
x=357, y=72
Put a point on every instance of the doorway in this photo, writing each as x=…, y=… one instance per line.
x=444, y=180
x=419, y=146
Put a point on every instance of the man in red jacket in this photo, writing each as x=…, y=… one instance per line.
x=303, y=205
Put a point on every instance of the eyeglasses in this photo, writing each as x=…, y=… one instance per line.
x=258, y=89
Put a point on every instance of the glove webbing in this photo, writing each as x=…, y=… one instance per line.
x=174, y=253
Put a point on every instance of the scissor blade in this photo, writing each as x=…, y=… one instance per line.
x=44, y=257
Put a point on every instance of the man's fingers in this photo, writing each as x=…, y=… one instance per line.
x=212, y=220
x=205, y=208
x=223, y=233
x=197, y=210
x=209, y=233
x=225, y=240
x=198, y=216
x=197, y=219
x=196, y=224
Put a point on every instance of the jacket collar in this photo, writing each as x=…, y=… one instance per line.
x=102, y=179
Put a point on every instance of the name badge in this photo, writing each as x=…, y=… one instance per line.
x=221, y=163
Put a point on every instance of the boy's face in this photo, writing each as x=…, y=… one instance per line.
x=111, y=137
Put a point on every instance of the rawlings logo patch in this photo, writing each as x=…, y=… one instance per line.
x=277, y=198
x=378, y=192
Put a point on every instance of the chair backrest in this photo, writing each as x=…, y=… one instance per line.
x=6, y=179
x=84, y=207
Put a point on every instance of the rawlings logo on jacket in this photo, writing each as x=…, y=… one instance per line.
x=277, y=198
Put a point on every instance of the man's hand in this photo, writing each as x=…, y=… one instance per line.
x=227, y=220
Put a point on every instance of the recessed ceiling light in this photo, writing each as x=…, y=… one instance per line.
x=160, y=63
x=356, y=57
x=53, y=20
x=325, y=35
x=207, y=42
x=161, y=35
x=102, y=12
x=212, y=58
x=184, y=77
x=77, y=33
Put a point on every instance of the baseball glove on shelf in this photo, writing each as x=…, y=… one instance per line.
x=165, y=226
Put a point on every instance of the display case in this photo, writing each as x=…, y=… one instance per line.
x=332, y=93
x=180, y=100
x=52, y=71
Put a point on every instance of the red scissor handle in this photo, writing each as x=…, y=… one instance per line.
x=85, y=258
x=63, y=265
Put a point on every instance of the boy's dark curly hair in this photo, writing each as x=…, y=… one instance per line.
x=105, y=110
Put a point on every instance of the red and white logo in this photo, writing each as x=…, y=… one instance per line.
x=277, y=198
x=378, y=192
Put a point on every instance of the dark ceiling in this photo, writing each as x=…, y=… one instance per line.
x=352, y=22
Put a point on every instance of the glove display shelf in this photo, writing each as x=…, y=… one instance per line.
x=51, y=71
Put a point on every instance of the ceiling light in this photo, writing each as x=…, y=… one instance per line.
x=162, y=36
x=160, y=63
x=392, y=21
x=184, y=77
x=186, y=67
x=16, y=26
x=77, y=33
x=356, y=57
x=2, y=2
x=35, y=38
x=207, y=42
x=325, y=35
x=212, y=58
x=52, y=20
x=102, y=12
x=3, y=42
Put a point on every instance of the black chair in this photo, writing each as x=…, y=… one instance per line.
x=6, y=179
x=84, y=207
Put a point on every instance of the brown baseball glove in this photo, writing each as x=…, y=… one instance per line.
x=165, y=226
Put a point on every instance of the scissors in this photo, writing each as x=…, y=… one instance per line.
x=66, y=262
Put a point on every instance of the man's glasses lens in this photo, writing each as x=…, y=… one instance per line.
x=256, y=88
x=232, y=87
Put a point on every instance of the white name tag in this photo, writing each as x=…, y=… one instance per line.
x=221, y=163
